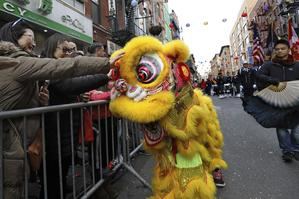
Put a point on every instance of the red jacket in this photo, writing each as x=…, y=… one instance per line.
x=104, y=109
x=88, y=119
x=203, y=85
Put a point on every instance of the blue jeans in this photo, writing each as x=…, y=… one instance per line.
x=288, y=139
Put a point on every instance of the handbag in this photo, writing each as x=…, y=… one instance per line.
x=87, y=128
x=35, y=151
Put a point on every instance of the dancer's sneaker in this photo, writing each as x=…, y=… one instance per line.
x=218, y=178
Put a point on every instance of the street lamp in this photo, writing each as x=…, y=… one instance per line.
x=134, y=3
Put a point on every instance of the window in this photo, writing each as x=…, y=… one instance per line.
x=95, y=14
x=78, y=4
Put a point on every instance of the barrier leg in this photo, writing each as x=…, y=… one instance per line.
x=126, y=163
x=134, y=172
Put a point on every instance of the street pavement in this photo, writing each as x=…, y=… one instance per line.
x=255, y=171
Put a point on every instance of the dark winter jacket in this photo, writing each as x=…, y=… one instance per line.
x=247, y=77
x=236, y=80
x=64, y=92
x=220, y=81
x=227, y=80
x=209, y=84
x=278, y=71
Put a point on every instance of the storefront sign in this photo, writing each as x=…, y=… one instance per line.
x=57, y=21
x=73, y=22
x=11, y=8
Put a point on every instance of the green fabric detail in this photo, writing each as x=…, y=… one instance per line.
x=184, y=162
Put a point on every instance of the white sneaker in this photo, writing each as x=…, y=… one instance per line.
x=238, y=95
x=221, y=96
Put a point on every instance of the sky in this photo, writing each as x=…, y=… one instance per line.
x=205, y=41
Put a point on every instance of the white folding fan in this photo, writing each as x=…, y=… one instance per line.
x=285, y=95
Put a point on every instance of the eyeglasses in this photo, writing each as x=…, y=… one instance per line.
x=67, y=50
x=29, y=35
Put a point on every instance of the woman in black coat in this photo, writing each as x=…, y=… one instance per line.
x=63, y=92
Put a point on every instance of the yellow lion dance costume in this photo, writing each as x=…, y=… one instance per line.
x=180, y=124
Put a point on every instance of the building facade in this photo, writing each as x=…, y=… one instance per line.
x=225, y=60
x=241, y=36
x=215, y=65
x=139, y=17
x=221, y=63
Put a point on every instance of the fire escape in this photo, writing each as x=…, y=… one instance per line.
x=121, y=37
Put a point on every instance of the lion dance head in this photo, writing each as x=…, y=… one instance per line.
x=146, y=82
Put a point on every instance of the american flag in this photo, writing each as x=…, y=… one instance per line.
x=257, y=51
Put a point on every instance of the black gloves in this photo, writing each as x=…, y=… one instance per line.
x=273, y=81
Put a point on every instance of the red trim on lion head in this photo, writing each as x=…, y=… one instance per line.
x=184, y=71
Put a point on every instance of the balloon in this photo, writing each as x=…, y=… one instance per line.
x=187, y=24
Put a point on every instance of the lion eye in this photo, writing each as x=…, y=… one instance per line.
x=149, y=68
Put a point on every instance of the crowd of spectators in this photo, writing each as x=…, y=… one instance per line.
x=61, y=74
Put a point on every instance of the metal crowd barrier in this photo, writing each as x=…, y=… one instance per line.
x=115, y=141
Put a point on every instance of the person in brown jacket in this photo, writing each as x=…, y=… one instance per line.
x=19, y=90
